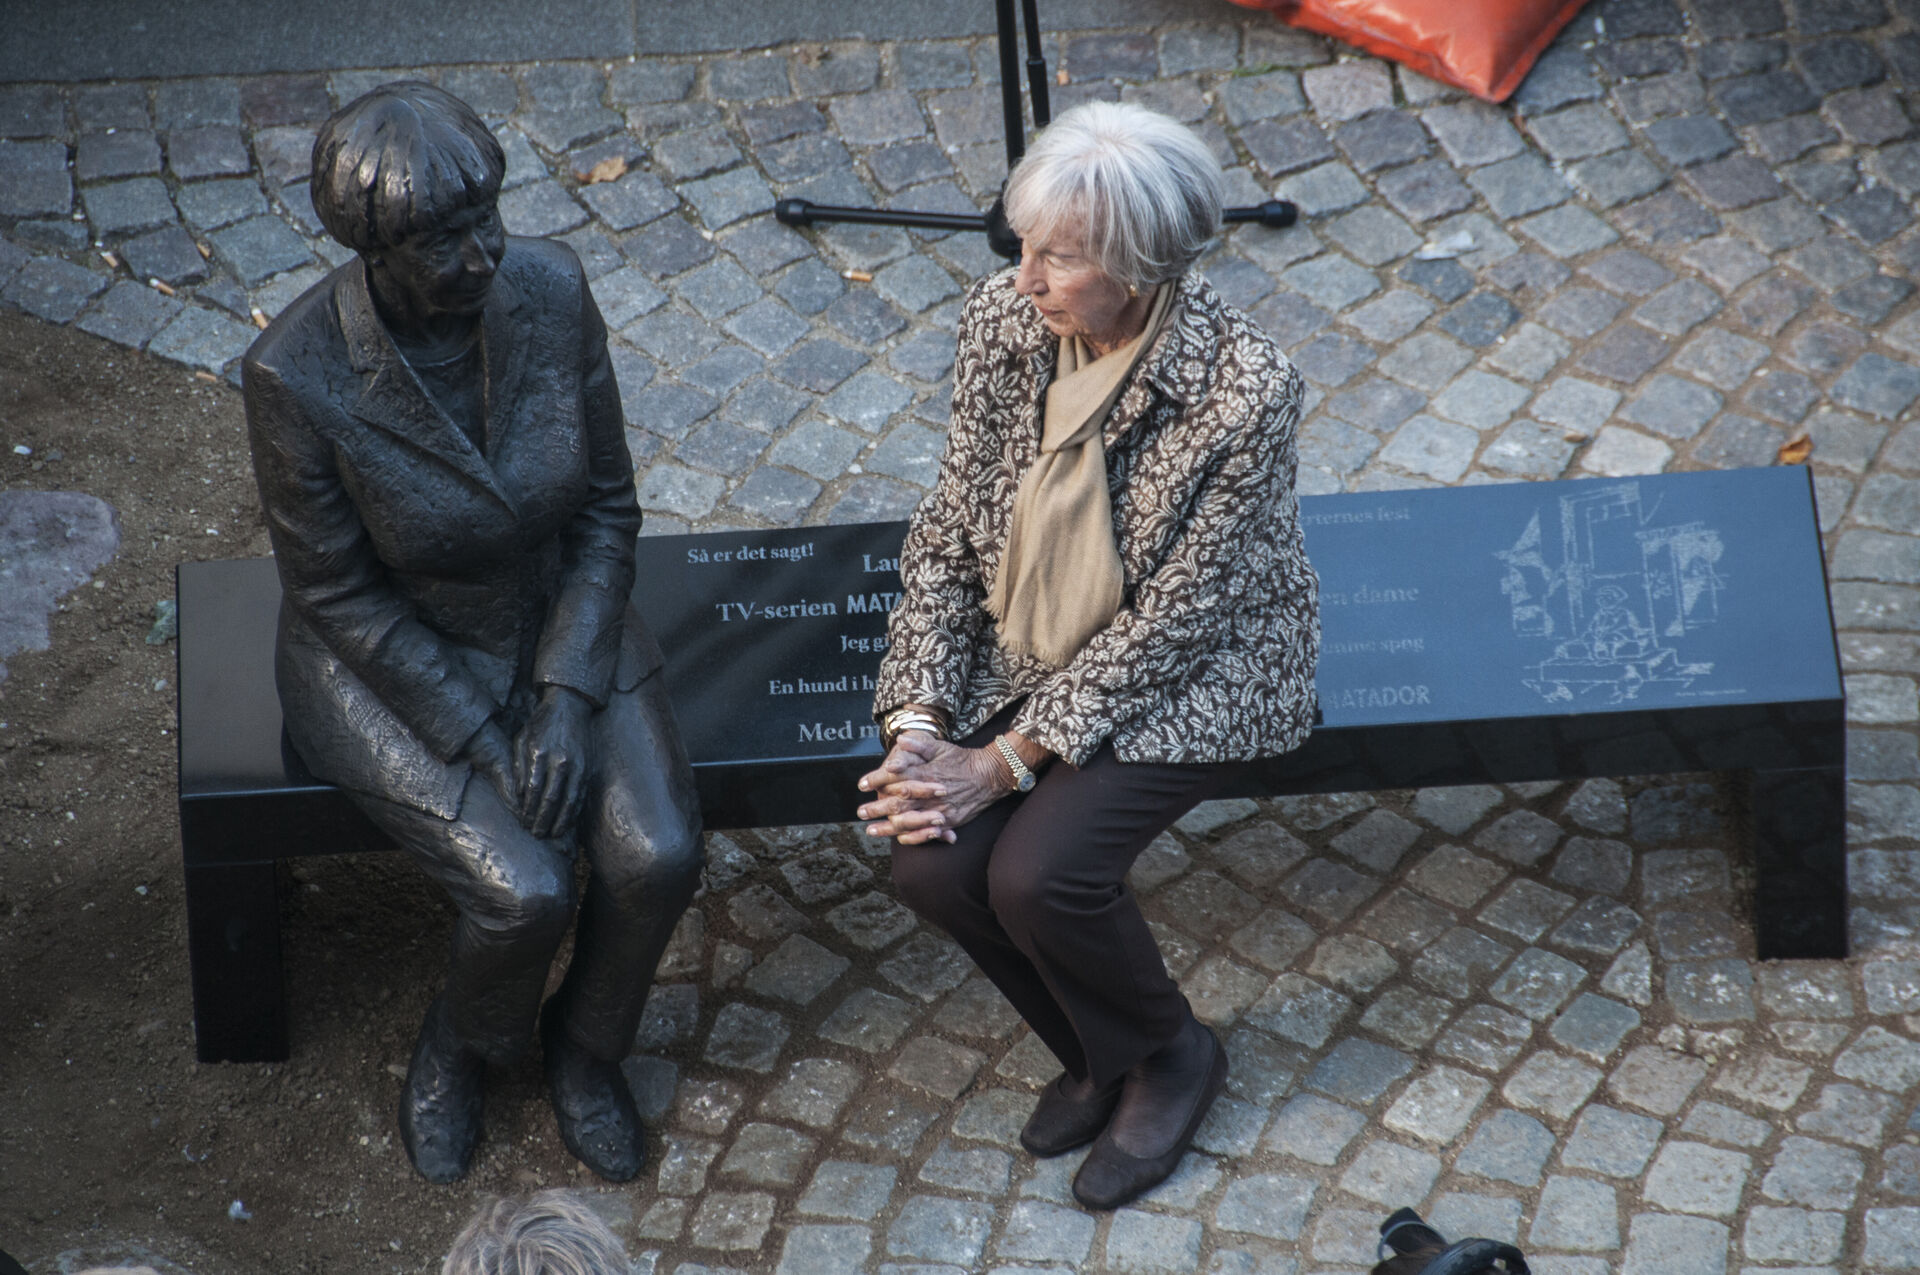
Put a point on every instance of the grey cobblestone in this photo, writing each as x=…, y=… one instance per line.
x=1594, y=1026
x=1812, y=1173
x=202, y=339
x=1881, y=1058
x=212, y=204
x=128, y=207
x=1522, y=837
x=1260, y=97
x=32, y=111
x=1460, y=958
x=746, y=1037
x=1508, y=1147
x=129, y=153
x=1657, y=1242
x=1348, y=961
x=868, y=1020
x=888, y=1124
x=1485, y=1037
x=52, y=289
x=1326, y=189
x=1270, y=1205
x=129, y=314
x=1552, y=1084
x=846, y=1189
x=1617, y=177
x=1520, y=185
x=259, y=248
x=1850, y=1114
x=1404, y=1015
x=1678, y=308
x=1712, y=991
x=1718, y=1123
x=1313, y=1129
x=1598, y=926
x=1568, y=231
x=1382, y=140
x=185, y=103
x=1612, y=1142
x=1472, y=134
x=1386, y=1172
x=1575, y=1214
x=1691, y=1177
x=1425, y=191
x=1358, y=1071
x=168, y=254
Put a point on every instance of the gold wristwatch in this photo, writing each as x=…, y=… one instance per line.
x=1023, y=779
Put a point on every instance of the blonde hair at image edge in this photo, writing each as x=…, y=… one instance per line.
x=1142, y=189
x=551, y=1233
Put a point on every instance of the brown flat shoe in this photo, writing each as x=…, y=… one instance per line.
x=1060, y=1123
x=1112, y=1175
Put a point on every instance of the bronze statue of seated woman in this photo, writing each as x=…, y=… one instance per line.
x=441, y=457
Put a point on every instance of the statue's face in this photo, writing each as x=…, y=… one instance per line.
x=449, y=269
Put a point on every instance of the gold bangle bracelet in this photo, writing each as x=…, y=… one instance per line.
x=901, y=720
x=917, y=715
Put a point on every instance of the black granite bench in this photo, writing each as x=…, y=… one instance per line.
x=1483, y=634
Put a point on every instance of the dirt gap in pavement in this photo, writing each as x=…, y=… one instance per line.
x=114, y=1141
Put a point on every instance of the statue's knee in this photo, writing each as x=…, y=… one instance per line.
x=680, y=858
x=533, y=910
x=664, y=866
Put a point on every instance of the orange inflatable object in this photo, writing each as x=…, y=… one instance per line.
x=1483, y=46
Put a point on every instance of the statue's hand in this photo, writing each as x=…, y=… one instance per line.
x=550, y=762
x=490, y=753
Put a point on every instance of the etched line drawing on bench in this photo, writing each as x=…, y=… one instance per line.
x=1623, y=588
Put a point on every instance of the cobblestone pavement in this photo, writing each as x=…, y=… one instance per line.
x=1533, y=1012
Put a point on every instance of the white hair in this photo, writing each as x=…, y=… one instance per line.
x=1140, y=193
x=551, y=1233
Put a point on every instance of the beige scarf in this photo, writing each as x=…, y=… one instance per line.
x=1060, y=579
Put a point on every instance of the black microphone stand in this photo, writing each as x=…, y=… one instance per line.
x=1274, y=213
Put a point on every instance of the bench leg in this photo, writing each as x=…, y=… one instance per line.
x=1800, y=862
x=233, y=941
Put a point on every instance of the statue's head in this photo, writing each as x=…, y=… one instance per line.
x=409, y=177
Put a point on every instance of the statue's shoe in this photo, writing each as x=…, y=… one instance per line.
x=593, y=1105
x=441, y=1103
x=1060, y=1123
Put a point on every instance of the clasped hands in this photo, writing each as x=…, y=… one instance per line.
x=542, y=773
x=927, y=787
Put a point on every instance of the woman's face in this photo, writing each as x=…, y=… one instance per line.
x=448, y=270
x=1072, y=296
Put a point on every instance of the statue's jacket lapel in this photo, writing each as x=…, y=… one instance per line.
x=393, y=400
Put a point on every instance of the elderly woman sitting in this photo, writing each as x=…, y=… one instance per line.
x=1106, y=606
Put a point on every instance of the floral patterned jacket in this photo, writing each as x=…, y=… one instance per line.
x=1211, y=657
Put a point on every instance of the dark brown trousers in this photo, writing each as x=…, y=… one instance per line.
x=1035, y=890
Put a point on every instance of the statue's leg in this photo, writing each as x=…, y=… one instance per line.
x=515, y=897
x=640, y=831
